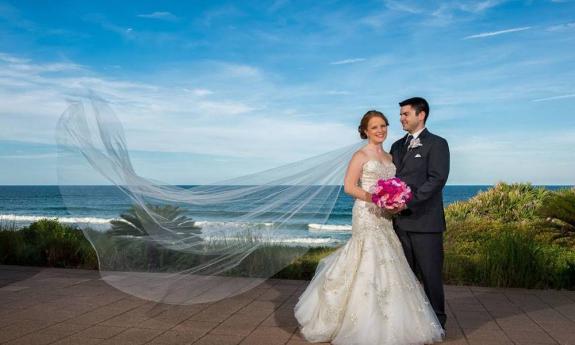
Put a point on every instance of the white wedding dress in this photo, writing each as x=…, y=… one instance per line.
x=365, y=292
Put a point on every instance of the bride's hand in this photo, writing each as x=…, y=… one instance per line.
x=368, y=197
x=397, y=210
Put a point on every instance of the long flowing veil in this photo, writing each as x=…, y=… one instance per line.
x=158, y=250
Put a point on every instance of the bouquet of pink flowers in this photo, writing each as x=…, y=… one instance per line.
x=391, y=193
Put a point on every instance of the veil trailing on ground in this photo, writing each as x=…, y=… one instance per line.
x=158, y=250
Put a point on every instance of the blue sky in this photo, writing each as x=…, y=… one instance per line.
x=208, y=89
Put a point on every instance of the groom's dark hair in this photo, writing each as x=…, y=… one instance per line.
x=419, y=104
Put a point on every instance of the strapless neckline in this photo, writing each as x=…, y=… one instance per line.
x=374, y=170
x=380, y=162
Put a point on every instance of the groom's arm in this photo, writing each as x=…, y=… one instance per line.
x=437, y=173
x=392, y=152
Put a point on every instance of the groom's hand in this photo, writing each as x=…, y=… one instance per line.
x=397, y=209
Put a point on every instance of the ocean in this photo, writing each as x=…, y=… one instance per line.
x=95, y=206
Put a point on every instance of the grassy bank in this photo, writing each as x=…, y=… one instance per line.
x=49, y=243
x=509, y=236
x=46, y=243
x=512, y=236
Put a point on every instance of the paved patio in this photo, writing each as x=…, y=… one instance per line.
x=64, y=306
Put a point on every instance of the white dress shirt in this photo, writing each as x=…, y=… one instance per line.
x=413, y=136
x=416, y=134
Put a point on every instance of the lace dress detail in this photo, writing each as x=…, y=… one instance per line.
x=365, y=292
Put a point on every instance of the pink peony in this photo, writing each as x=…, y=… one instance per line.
x=391, y=193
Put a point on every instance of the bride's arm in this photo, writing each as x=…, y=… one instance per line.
x=350, y=182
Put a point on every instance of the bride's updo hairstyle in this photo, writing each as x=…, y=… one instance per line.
x=365, y=120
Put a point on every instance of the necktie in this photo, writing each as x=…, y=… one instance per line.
x=408, y=140
x=406, y=145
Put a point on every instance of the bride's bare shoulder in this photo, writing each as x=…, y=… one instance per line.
x=360, y=156
x=388, y=155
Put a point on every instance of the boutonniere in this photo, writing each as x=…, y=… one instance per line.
x=414, y=143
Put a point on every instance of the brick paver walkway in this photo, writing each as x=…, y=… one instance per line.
x=64, y=306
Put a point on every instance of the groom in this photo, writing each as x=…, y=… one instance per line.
x=422, y=161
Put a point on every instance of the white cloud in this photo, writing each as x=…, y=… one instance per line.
x=572, y=95
x=561, y=27
x=487, y=159
x=31, y=156
x=13, y=17
x=347, y=61
x=473, y=7
x=449, y=12
x=238, y=70
x=199, y=92
x=12, y=59
x=402, y=6
x=165, y=118
x=496, y=33
x=155, y=37
x=159, y=15
x=338, y=92
x=481, y=5
x=432, y=13
x=376, y=20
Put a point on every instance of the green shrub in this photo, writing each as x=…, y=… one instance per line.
x=504, y=203
x=511, y=258
x=510, y=236
x=500, y=238
x=12, y=247
x=47, y=243
x=514, y=258
x=460, y=269
x=304, y=266
x=558, y=210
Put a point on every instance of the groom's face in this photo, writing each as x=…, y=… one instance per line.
x=410, y=121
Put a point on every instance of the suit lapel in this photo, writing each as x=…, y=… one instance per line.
x=407, y=152
x=403, y=148
x=397, y=152
x=404, y=157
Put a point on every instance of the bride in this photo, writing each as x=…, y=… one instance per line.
x=365, y=292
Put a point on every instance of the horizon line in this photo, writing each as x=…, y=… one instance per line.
x=214, y=185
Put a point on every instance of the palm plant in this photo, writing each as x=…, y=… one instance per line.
x=558, y=209
x=152, y=219
x=157, y=226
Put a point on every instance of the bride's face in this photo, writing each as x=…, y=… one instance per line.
x=376, y=130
